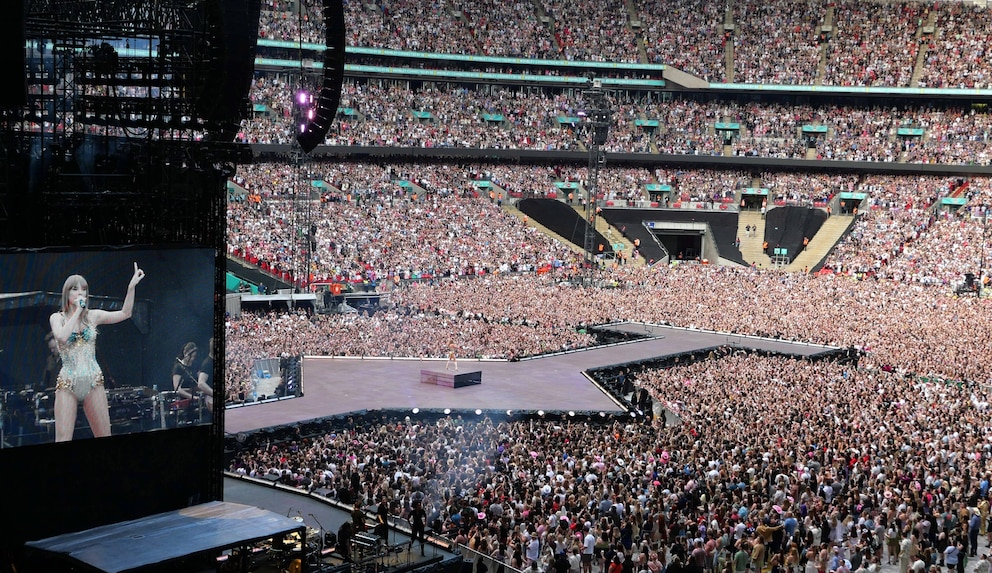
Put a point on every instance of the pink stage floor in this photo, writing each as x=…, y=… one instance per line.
x=337, y=385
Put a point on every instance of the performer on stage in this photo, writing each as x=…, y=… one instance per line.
x=344, y=540
x=418, y=524
x=382, y=520
x=357, y=517
x=452, y=360
x=80, y=380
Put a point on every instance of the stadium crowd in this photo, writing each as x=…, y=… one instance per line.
x=958, y=55
x=806, y=189
x=907, y=321
x=390, y=113
x=862, y=56
x=776, y=464
x=684, y=35
x=907, y=255
x=490, y=21
x=775, y=42
x=854, y=490
x=453, y=213
x=922, y=245
x=770, y=44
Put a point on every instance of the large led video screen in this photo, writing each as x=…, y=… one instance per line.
x=104, y=341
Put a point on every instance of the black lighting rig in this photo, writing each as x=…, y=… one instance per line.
x=598, y=119
x=124, y=131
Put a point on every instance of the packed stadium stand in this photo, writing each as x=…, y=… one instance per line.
x=802, y=171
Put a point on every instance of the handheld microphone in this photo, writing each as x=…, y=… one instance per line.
x=82, y=303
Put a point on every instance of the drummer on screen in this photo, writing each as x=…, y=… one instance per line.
x=184, y=377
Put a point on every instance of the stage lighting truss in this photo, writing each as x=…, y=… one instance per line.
x=122, y=68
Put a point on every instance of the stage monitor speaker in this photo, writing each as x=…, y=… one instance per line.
x=223, y=102
x=315, y=131
x=14, y=92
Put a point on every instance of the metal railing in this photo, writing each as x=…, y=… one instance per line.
x=490, y=564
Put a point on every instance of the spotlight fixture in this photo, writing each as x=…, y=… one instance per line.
x=478, y=412
x=416, y=410
x=571, y=413
x=540, y=413
x=447, y=411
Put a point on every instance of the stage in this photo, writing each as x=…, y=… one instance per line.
x=336, y=385
x=156, y=540
x=315, y=513
x=451, y=379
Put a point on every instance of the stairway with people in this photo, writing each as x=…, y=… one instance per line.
x=751, y=233
x=820, y=244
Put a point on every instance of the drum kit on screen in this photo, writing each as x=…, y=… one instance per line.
x=170, y=409
x=29, y=415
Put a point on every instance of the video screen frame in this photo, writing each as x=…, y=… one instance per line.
x=148, y=363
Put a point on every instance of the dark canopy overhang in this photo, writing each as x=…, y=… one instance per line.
x=142, y=543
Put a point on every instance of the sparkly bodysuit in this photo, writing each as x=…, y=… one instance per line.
x=80, y=371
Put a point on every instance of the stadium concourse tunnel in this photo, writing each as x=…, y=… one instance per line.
x=649, y=226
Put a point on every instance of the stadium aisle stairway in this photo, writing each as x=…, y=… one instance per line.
x=921, y=56
x=751, y=246
x=728, y=47
x=821, y=243
x=615, y=236
x=821, y=67
x=511, y=209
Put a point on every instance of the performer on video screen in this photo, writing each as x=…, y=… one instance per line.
x=205, y=378
x=80, y=380
x=184, y=379
x=183, y=376
x=53, y=364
